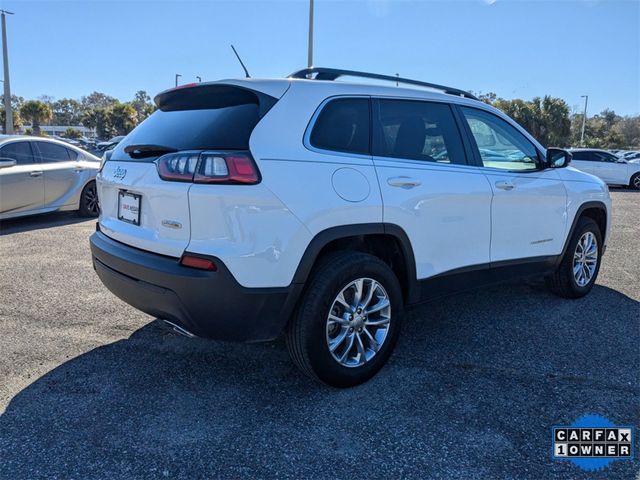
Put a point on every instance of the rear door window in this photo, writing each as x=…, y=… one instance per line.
x=19, y=151
x=52, y=152
x=417, y=130
x=607, y=157
x=343, y=126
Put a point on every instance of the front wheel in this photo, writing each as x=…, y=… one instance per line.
x=635, y=181
x=348, y=320
x=89, y=204
x=579, y=267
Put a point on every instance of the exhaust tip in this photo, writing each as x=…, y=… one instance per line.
x=178, y=329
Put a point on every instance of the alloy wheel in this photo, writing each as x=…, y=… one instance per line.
x=91, y=200
x=358, y=322
x=585, y=259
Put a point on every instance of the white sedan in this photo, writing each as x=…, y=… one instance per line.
x=39, y=175
x=610, y=168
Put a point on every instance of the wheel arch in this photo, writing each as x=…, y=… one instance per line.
x=389, y=242
x=595, y=210
x=82, y=188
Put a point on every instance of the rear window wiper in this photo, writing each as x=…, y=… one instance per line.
x=141, y=150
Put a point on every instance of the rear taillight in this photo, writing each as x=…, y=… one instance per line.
x=178, y=167
x=209, y=167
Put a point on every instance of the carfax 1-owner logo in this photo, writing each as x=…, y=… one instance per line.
x=592, y=442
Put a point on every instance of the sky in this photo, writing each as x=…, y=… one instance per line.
x=517, y=49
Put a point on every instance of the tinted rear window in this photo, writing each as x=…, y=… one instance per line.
x=343, y=126
x=417, y=130
x=201, y=118
x=18, y=151
x=52, y=152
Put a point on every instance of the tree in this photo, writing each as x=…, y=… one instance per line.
x=142, y=104
x=488, y=97
x=37, y=112
x=48, y=99
x=17, y=120
x=99, y=119
x=66, y=111
x=555, y=122
x=547, y=119
x=97, y=100
x=628, y=128
x=16, y=104
x=123, y=118
x=72, y=133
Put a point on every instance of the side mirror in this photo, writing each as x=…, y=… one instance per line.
x=558, y=158
x=7, y=162
x=621, y=160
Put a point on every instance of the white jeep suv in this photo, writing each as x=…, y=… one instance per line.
x=244, y=208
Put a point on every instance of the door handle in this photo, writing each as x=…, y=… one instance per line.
x=505, y=185
x=36, y=173
x=403, y=182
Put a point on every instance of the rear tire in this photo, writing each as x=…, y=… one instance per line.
x=89, y=204
x=348, y=319
x=578, y=270
x=634, y=183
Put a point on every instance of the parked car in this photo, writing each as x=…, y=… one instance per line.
x=633, y=155
x=244, y=208
x=610, y=168
x=112, y=142
x=39, y=175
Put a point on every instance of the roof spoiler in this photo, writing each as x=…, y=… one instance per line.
x=202, y=96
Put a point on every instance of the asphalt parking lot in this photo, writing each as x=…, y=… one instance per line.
x=91, y=388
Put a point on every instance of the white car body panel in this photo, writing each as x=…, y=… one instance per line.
x=529, y=220
x=439, y=214
x=161, y=201
x=250, y=230
x=582, y=188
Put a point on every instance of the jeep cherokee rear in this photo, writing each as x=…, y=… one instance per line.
x=243, y=208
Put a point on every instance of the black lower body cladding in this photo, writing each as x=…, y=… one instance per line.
x=207, y=304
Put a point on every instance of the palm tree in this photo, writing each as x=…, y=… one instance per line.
x=37, y=112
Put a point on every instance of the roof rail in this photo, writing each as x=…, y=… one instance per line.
x=322, y=73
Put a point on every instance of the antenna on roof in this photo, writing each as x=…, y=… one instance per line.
x=246, y=72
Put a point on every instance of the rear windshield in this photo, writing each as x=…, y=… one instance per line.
x=214, y=119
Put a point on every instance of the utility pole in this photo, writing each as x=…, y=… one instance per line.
x=310, y=52
x=584, y=118
x=7, y=86
x=177, y=77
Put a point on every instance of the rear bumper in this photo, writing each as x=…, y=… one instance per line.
x=207, y=304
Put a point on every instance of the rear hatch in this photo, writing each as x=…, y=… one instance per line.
x=149, y=209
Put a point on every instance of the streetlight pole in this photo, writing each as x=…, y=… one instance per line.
x=7, y=86
x=199, y=79
x=584, y=118
x=177, y=77
x=310, y=52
